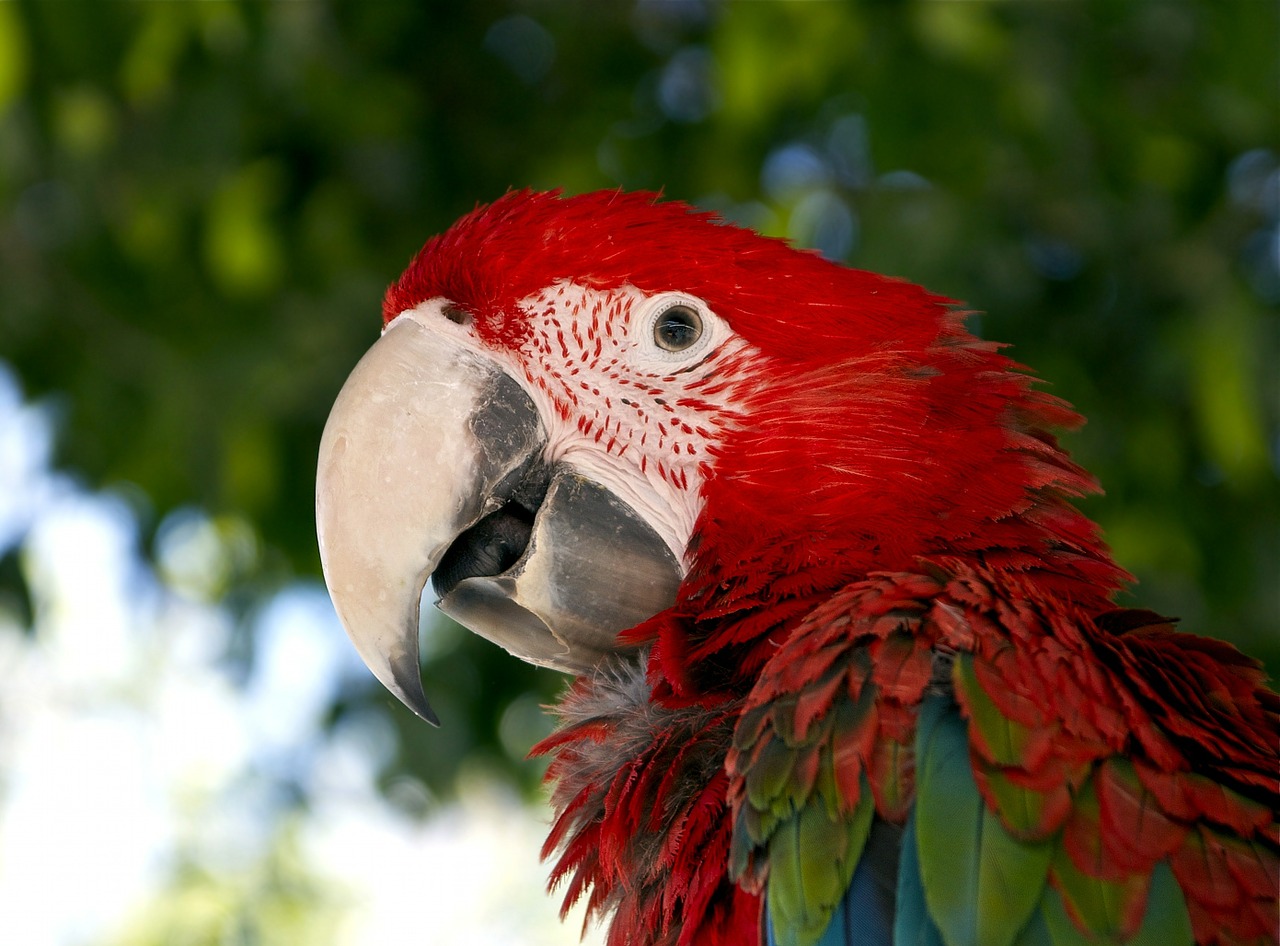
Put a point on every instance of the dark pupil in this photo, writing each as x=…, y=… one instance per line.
x=677, y=329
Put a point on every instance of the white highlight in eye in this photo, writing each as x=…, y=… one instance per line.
x=713, y=331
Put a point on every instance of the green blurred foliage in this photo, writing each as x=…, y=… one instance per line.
x=200, y=205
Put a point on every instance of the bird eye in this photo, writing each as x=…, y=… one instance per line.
x=678, y=328
x=457, y=315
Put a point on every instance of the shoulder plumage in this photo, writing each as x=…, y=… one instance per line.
x=1120, y=765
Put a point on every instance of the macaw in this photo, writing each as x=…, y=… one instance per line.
x=847, y=667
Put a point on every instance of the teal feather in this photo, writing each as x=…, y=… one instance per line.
x=1036, y=932
x=981, y=884
x=1166, y=921
x=912, y=926
x=865, y=914
x=812, y=859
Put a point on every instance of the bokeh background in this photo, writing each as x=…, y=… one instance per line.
x=200, y=204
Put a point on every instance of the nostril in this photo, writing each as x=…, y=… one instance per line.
x=456, y=315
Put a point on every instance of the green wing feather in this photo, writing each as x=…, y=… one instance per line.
x=1037, y=870
x=812, y=857
x=1164, y=923
x=1046, y=796
x=981, y=884
x=913, y=926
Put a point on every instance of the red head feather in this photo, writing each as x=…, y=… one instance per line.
x=906, y=435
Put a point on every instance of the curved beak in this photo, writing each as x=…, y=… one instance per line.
x=431, y=465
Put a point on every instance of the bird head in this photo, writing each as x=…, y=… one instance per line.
x=587, y=411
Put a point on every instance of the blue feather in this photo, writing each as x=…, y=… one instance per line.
x=865, y=916
x=912, y=926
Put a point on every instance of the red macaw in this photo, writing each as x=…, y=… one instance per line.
x=847, y=664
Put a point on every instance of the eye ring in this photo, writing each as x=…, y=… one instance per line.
x=677, y=328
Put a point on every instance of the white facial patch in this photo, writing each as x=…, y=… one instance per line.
x=635, y=390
